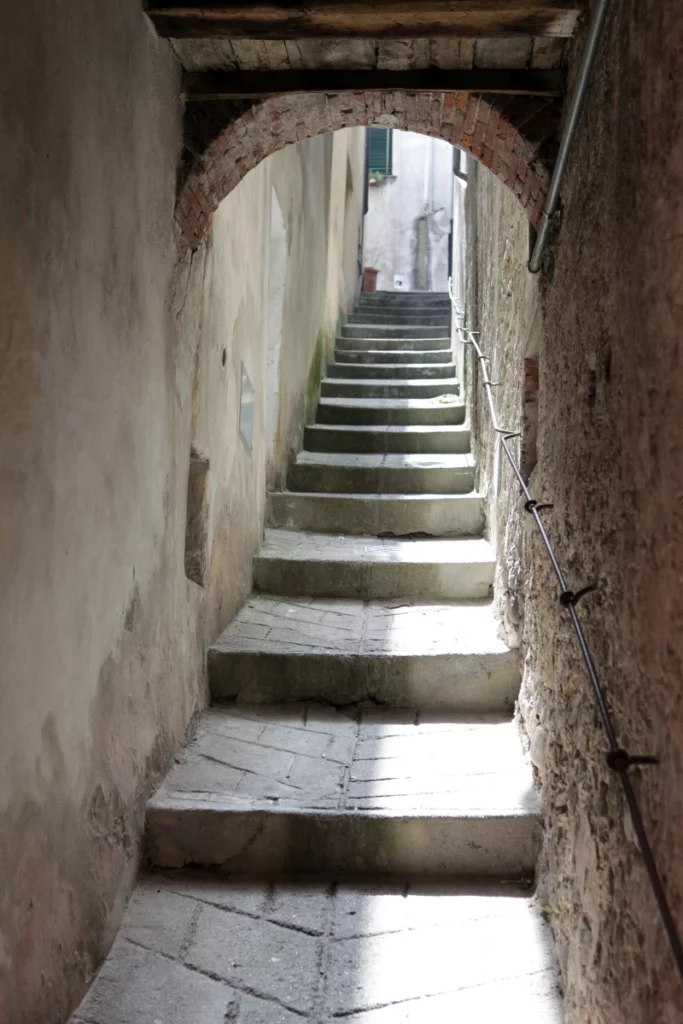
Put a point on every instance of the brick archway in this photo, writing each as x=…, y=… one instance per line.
x=505, y=133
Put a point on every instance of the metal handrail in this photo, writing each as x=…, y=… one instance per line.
x=618, y=758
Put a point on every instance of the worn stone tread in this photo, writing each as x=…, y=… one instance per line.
x=396, y=357
x=390, y=629
x=197, y=949
x=445, y=371
x=322, y=565
x=304, y=546
x=341, y=387
x=399, y=438
x=394, y=652
x=365, y=790
x=386, y=460
x=435, y=515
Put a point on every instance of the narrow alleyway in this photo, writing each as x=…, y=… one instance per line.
x=355, y=821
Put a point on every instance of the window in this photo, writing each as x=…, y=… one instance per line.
x=379, y=150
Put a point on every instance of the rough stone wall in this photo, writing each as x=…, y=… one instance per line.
x=609, y=445
x=119, y=364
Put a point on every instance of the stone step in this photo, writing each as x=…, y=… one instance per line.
x=412, y=439
x=339, y=472
x=368, y=388
x=448, y=410
x=392, y=371
x=204, y=948
x=198, y=949
x=405, y=309
x=366, y=568
x=404, y=299
x=389, y=331
x=435, y=515
x=285, y=790
x=379, y=342
x=401, y=319
x=441, y=356
x=346, y=652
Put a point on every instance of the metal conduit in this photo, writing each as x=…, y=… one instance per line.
x=618, y=759
x=587, y=60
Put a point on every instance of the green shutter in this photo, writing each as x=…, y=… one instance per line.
x=379, y=150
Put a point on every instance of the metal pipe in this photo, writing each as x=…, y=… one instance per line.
x=587, y=60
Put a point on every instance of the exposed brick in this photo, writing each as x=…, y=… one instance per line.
x=458, y=123
x=471, y=114
x=448, y=113
x=490, y=130
x=478, y=139
x=512, y=169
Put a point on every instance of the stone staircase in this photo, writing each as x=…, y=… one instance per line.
x=352, y=831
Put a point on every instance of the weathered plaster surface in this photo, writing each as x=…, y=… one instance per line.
x=111, y=370
x=609, y=448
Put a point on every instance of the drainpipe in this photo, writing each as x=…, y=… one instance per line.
x=587, y=60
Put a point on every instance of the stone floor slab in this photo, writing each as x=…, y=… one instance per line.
x=400, y=952
x=401, y=653
x=444, y=795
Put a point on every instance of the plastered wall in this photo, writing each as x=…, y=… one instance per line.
x=606, y=320
x=116, y=359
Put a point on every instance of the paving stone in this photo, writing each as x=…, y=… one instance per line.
x=260, y=957
x=137, y=986
x=251, y=1010
x=405, y=951
x=248, y=897
x=159, y=919
x=435, y=960
x=306, y=908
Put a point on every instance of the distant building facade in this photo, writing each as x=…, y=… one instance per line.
x=409, y=216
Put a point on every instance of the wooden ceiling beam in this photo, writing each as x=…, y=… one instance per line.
x=375, y=19
x=223, y=85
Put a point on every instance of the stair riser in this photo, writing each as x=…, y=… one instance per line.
x=379, y=343
x=387, y=331
x=383, y=442
x=473, y=683
x=375, y=515
x=449, y=415
x=386, y=480
x=404, y=309
x=361, y=357
x=364, y=581
x=404, y=299
x=400, y=319
x=271, y=843
x=356, y=389
x=351, y=371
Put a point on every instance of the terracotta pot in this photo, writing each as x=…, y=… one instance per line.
x=370, y=279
